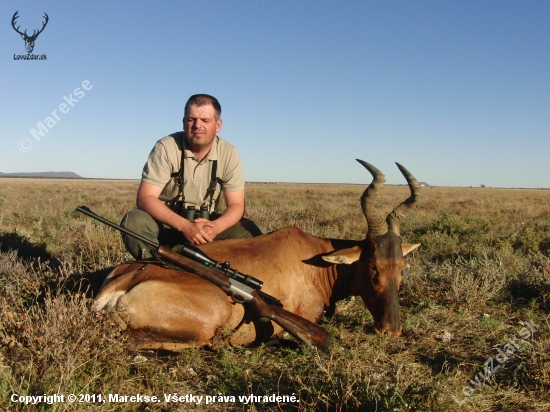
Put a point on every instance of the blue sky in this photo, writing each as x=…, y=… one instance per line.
x=457, y=91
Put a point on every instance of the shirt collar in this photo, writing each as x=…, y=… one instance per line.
x=212, y=154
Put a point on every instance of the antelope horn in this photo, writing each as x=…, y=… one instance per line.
x=394, y=218
x=375, y=222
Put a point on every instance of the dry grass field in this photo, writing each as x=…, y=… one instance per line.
x=472, y=296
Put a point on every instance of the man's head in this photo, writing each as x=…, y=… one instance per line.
x=204, y=100
x=201, y=121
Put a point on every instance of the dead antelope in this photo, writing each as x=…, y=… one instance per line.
x=170, y=309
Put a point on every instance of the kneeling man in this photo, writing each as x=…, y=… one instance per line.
x=185, y=174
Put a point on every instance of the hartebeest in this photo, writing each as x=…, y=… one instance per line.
x=170, y=309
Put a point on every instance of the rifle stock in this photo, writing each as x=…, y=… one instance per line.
x=302, y=329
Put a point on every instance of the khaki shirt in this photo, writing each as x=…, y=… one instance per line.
x=165, y=159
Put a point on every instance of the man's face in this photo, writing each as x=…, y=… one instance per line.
x=201, y=126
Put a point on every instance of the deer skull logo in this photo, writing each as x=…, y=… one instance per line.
x=29, y=40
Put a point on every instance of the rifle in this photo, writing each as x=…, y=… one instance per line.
x=243, y=288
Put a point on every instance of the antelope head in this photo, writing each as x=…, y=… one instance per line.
x=379, y=259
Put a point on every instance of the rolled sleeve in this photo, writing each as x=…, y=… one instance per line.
x=233, y=178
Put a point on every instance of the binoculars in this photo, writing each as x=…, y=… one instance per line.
x=191, y=213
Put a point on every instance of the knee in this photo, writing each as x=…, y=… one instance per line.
x=138, y=221
x=255, y=228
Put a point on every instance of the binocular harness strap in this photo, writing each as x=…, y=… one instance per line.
x=214, y=180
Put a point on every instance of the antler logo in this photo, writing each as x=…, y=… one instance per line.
x=29, y=40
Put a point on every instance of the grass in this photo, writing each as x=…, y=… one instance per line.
x=484, y=267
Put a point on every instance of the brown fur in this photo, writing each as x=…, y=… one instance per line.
x=170, y=309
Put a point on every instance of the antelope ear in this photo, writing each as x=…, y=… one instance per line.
x=345, y=256
x=406, y=248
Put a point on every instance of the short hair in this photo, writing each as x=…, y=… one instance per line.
x=204, y=100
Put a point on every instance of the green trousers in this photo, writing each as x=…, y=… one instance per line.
x=143, y=224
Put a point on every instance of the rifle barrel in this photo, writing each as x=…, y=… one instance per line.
x=86, y=211
x=186, y=249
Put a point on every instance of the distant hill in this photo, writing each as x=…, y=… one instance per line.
x=64, y=175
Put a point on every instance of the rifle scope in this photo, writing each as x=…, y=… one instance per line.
x=198, y=255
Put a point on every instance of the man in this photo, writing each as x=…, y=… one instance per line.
x=186, y=170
